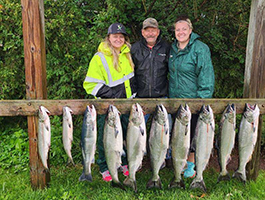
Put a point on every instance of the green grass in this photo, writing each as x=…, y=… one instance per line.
x=64, y=184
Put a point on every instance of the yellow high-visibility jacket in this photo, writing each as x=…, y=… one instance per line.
x=103, y=80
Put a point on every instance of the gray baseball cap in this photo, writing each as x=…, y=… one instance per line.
x=150, y=22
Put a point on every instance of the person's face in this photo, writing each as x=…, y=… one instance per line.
x=182, y=32
x=117, y=40
x=150, y=34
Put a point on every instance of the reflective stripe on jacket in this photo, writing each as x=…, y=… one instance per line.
x=103, y=80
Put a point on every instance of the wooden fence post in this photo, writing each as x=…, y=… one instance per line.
x=254, y=83
x=35, y=72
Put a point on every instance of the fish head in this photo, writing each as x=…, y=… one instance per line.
x=112, y=115
x=184, y=114
x=251, y=112
x=43, y=113
x=230, y=113
x=67, y=112
x=91, y=113
x=161, y=115
x=206, y=114
x=136, y=114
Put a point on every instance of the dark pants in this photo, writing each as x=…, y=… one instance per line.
x=101, y=161
x=194, y=119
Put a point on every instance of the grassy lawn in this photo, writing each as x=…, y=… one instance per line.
x=65, y=185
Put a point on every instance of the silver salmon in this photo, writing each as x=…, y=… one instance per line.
x=158, y=144
x=136, y=143
x=68, y=132
x=180, y=144
x=88, y=142
x=247, y=139
x=113, y=144
x=44, y=135
x=204, y=137
x=226, y=139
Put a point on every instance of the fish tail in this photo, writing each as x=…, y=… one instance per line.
x=177, y=184
x=195, y=184
x=240, y=176
x=85, y=177
x=118, y=185
x=154, y=184
x=131, y=183
x=225, y=177
x=70, y=161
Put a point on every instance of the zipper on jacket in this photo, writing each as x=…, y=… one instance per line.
x=151, y=74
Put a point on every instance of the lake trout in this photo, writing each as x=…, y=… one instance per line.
x=180, y=144
x=204, y=138
x=44, y=135
x=88, y=142
x=158, y=144
x=136, y=143
x=247, y=138
x=226, y=139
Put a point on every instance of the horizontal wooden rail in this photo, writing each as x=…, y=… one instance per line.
x=30, y=107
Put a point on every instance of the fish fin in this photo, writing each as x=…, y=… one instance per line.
x=47, y=128
x=225, y=177
x=239, y=176
x=154, y=184
x=177, y=184
x=186, y=129
x=141, y=130
x=116, y=132
x=70, y=161
x=84, y=177
x=167, y=131
x=212, y=126
x=123, y=153
x=130, y=183
x=195, y=184
x=118, y=185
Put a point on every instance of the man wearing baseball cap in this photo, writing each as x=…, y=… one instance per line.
x=150, y=57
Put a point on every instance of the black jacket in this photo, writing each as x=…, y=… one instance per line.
x=151, y=68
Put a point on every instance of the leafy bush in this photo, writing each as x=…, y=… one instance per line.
x=14, y=149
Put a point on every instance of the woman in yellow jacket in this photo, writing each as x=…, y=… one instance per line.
x=111, y=75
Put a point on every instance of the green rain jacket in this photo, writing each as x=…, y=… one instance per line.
x=191, y=73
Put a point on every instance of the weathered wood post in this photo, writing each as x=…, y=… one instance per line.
x=35, y=71
x=254, y=83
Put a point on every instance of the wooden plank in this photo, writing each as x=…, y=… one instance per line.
x=35, y=75
x=254, y=83
x=30, y=107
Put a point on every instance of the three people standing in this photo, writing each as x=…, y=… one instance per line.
x=144, y=70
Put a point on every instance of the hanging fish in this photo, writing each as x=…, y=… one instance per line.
x=68, y=132
x=44, y=135
x=247, y=138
